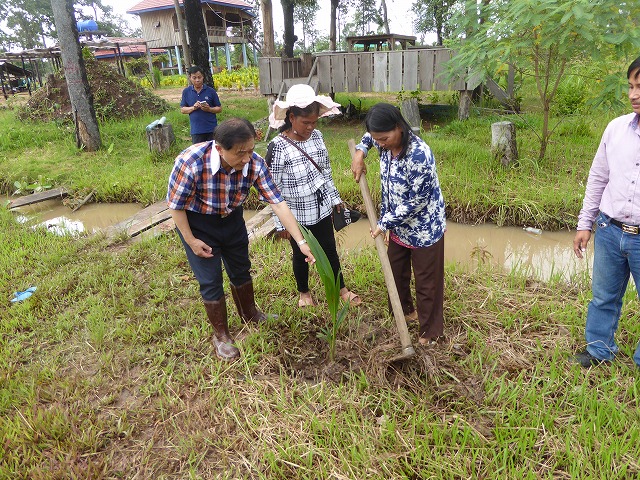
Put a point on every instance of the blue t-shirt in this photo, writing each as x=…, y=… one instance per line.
x=201, y=121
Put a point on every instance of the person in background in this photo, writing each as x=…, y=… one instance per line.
x=299, y=164
x=207, y=187
x=412, y=213
x=201, y=103
x=612, y=203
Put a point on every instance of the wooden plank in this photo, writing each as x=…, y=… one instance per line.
x=156, y=231
x=324, y=73
x=442, y=55
x=352, y=65
x=426, y=59
x=337, y=73
x=395, y=71
x=275, y=66
x=366, y=72
x=265, y=230
x=410, y=76
x=143, y=220
x=259, y=218
x=39, y=197
x=380, y=63
x=264, y=69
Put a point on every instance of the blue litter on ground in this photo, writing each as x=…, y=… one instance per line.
x=20, y=296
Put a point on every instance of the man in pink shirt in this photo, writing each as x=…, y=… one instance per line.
x=612, y=201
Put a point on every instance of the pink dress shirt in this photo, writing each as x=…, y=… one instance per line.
x=613, y=187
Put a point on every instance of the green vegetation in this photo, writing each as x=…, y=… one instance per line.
x=107, y=371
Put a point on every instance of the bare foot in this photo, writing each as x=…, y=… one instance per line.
x=306, y=300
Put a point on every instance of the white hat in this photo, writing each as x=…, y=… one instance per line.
x=301, y=95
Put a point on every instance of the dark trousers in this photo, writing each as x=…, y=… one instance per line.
x=323, y=231
x=428, y=270
x=201, y=137
x=227, y=236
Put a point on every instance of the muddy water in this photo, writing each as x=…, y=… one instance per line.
x=510, y=248
x=543, y=256
x=89, y=218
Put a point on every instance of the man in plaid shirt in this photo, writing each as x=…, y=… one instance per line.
x=208, y=185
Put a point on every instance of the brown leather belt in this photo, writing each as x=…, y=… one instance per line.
x=632, y=229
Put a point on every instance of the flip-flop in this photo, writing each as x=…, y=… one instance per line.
x=20, y=296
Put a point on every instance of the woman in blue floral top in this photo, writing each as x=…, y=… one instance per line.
x=412, y=214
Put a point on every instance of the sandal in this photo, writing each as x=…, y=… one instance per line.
x=352, y=298
x=411, y=317
x=306, y=302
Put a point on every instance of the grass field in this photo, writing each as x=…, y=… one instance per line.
x=107, y=371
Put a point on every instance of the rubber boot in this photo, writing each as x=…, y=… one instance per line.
x=245, y=302
x=221, y=339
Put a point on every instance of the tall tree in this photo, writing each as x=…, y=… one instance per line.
x=305, y=13
x=198, y=38
x=332, y=26
x=289, y=34
x=542, y=38
x=87, y=131
x=269, y=48
x=385, y=17
x=434, y=16
x=29, y=23
x=182, y=32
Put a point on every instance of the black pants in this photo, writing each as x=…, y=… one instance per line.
x=227, y=236
x=201, y=137
x=323, y=231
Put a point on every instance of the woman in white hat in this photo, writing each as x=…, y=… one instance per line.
x=299, y=164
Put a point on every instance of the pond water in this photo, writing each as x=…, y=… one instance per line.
x=543, y=256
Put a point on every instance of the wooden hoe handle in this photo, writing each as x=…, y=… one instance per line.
x=401, y=324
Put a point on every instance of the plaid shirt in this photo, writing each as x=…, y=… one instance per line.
x=309, y=193
x=195, y=186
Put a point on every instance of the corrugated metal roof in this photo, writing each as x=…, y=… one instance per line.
x=150, y=5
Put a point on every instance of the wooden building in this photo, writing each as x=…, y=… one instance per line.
x=228, y=22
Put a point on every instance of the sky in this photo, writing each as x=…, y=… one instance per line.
x=398, y=11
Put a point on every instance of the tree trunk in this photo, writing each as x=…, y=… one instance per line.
x=465, y=104
x=87, y=131
x=503, y=142
x=267, y=25
x=289, y=36
x=198, y=37
x=411, y=114
x=333, y=44
x=186, y=51
x=385, y=18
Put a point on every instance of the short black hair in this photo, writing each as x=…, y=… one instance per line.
x=195, y=69
x=635, y=65
x=233, y=131
x=384, y=117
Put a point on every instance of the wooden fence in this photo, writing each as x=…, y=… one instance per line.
x=387, y=71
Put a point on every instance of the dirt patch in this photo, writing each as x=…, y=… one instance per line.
x=115, y=97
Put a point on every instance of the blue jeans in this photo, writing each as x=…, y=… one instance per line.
x=616, y=257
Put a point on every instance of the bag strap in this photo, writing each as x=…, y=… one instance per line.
x=303, y=152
